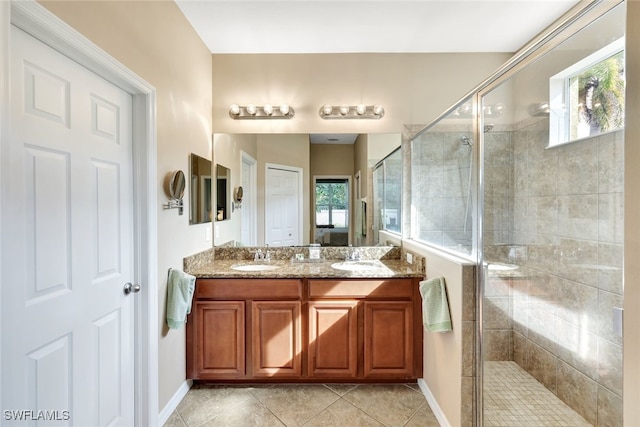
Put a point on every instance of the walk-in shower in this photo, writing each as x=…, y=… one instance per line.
x=552, y=243
x=533, y=196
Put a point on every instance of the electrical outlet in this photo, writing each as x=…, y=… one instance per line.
x=409, y=258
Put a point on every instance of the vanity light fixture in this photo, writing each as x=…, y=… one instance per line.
x=359, y=111
x=267, y=111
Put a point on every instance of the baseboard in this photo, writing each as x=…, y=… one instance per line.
x=442, y=419
x=173, y=403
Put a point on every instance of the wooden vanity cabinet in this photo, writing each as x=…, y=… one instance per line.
x=305, y=330
x=276, y=337
x=333, y=339
x=388, y=339
x=218, y=342
x=241, y=329
x=364, y=329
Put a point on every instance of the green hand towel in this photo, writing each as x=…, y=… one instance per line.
x=180, y=287
x=435, y=308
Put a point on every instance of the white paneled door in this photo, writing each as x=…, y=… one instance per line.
x=282, y=206
x=68, y=324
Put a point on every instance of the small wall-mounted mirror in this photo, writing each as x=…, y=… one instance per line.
x=239, y=194
x=201, y=190
x=175, y=189
x=223, y=193
x=176, y=185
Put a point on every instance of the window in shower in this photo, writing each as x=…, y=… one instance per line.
x=587, y=98
x=387, y=190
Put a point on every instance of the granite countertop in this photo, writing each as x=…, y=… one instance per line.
x=389, y=268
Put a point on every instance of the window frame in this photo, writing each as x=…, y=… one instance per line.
x=322, y=179
x=560, y=94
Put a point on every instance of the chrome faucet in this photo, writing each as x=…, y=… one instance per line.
x=262, y=256
x=354, y=255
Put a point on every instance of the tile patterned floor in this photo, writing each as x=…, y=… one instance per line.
x=513, y=398
x=308, y=405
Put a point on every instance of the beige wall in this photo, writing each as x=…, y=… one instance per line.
x=413, y=88
x=631, y=214
x=331, y=159
x=285, y=150
x=448, y=357
x=154, y=40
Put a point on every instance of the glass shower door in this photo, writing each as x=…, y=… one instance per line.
x=552, y=222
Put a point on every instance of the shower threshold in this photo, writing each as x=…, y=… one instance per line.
x=513, y=398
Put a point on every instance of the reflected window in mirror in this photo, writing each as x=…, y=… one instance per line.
x=223, y=193
x=332, y=211
x=201, y=190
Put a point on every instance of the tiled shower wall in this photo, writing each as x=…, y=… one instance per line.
x=440, y=167
x=558, y=214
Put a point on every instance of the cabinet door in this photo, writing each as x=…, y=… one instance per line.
x=333, y=339
x=276, y=339
x=388, y=339
x=220, y=339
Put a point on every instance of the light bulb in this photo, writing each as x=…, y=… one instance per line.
x=234, y=109
x=251, y=109
x=361, y=109
x=284, y=109
x=344, y=110
x=268, y=109
x=378, y=110
x=327, y=109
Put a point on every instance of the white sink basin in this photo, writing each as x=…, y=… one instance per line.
x=254, y=267
x=358, y=265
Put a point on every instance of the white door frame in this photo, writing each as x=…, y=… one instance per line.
x=253, y=194
x=300, y=196
x=45, y=26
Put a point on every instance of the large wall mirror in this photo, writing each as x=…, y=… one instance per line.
x=223, y=193
x=201, y=190
x=313, y=157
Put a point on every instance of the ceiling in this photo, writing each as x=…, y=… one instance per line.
x=365, y=26
x=343, y=26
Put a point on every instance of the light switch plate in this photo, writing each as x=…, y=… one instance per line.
x=409, y=258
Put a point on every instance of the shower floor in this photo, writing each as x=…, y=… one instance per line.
x=513, y=398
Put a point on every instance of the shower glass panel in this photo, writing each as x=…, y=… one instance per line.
x=441, y=182
x=552, y=231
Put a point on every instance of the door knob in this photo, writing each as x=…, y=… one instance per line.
x=129, y=288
